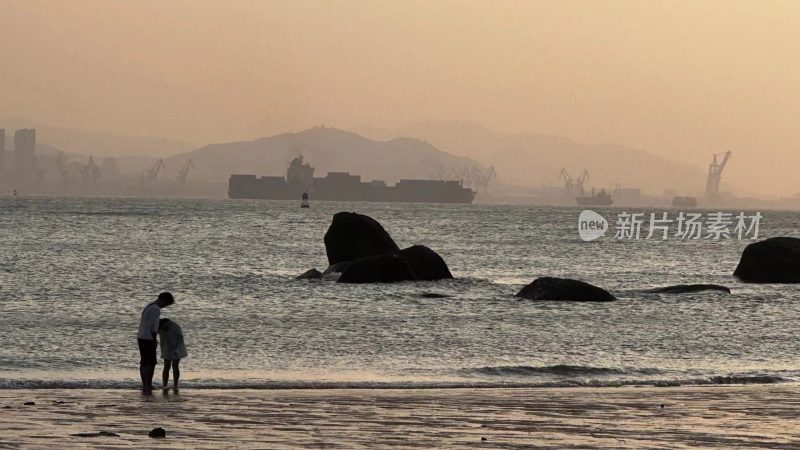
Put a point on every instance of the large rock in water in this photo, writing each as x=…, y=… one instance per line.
x=774, y=260
x=551, y=288
x=353, y=236
x=377, y=269
x=425, y=263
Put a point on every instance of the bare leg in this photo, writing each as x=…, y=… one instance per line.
x=165, y=374
x=176, y=374
x=143, y=374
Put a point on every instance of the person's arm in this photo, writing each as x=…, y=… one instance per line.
x=154, y=330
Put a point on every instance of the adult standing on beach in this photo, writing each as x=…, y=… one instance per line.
x=148, y=330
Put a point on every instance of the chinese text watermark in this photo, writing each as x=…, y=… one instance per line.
x=663, y=225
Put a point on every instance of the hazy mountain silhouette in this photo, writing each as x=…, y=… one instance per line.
x=533, y=159
x=327, y=149
x=97, y=143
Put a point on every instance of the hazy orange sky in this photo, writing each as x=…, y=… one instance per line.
x=682, y=79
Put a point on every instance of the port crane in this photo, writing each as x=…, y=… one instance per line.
x=481, y=179
x=63, y=166
x=469, y=176
x=88, y=173
x=569, y=183
x=715, y=174
x=580, y=181
x=187, y=166
x=152, y=174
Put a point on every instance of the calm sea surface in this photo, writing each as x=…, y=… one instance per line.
x=75, y=274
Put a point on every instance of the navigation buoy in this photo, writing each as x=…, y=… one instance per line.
x=304, y=203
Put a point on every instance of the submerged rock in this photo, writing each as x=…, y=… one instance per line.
x=336, y=268
x=377, y=269
x=158, y=433
x=684, y=288
x=309, y=274
x=773, y=260
x=552, y=288
x=426, y=263
x=434, y=295
x=353, y=236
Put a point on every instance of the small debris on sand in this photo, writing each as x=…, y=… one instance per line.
x=97, y=434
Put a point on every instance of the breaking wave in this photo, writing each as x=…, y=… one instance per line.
x=558, y=369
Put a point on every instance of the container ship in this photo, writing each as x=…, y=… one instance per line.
x=343, y=186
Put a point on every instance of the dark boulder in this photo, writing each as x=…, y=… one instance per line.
x=684, y=288
x=774, y=260
x=377, y=269
x=309, y=274
x=158, y=433
x=551, y=288
x=354, y=236
x=426, y=263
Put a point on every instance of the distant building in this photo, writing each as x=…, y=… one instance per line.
x=627, y=196
x=25, y=154
x=2, y=150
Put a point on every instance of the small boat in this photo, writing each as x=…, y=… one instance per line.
x=601, y=198
x=684, y=202
x=304, y=203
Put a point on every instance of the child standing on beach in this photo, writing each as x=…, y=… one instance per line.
x=173, y=350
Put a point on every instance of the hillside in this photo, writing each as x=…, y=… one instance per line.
x=533, y=159
x=327, y=149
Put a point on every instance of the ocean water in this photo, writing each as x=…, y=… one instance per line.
x=75, y=274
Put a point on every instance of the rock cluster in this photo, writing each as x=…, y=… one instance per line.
x=361, y=250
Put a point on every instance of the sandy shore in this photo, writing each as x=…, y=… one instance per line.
x=764, y=416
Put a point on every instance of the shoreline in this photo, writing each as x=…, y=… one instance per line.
x=757, y=415
x=17, y=384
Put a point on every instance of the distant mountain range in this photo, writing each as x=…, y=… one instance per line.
x=533, y=159
x=328, y=150
x=428, y=148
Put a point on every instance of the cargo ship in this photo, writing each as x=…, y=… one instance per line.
x=601, y=198
x=343, y=186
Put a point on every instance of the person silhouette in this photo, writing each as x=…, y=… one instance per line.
x=173, y=349
x=147, y=337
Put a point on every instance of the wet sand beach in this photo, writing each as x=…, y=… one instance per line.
x=762, y=416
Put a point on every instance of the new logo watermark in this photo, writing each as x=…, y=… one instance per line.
x=685, y=226
x=591, y=225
